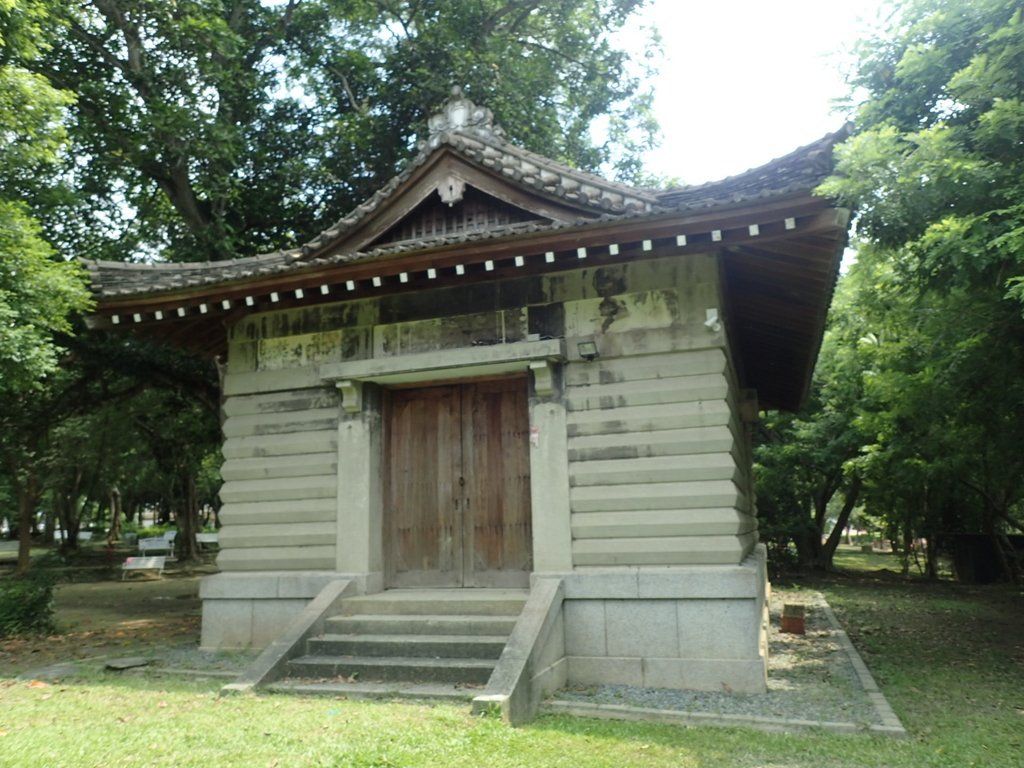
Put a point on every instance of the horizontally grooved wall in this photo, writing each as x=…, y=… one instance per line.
x=654, y=454
x=280, y=481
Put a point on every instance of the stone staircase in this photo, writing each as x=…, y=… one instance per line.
x=422, y=643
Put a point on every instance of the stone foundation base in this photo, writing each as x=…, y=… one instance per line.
x=250, y=610
x=701, y=627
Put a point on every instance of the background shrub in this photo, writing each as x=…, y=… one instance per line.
x=26, y=604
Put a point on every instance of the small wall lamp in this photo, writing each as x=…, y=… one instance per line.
x=588, y=350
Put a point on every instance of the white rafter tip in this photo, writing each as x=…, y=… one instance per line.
x=790, y=223
x=581, y=253
x=378, y=282
x=181, y=311
x=203, y=309
x=716, y=235
x=299, y=293
x=158, y=315
x=520, y=261
x=754, y=230
x=249, y=301
x=403, y=277
x=325, y=289
x=681, y=240
x=115, y=319
x=432, y=274
x=647, y=245
x=489, y=265
x=137, y=317
x=274, y=296
x=613, y=249
x=226, y=304
x=460, y=269
x=549, y=257
x=350, y=285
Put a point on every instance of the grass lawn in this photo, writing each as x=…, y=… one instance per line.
x=949, y=658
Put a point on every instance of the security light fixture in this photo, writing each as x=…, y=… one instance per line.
x=588, y=350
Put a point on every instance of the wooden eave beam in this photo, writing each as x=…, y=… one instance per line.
x=811, y=215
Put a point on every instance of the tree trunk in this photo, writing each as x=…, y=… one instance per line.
x=186, y=547
x=931, y=565
x=828, y=550
x=115, y=515
x=28, y=500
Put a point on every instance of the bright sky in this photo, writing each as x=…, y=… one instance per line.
x=746, y=81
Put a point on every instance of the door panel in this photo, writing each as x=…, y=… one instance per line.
x=457, y=485
x=497, y=533
x=424, y=545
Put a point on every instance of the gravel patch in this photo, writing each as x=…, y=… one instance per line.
x=811, y=679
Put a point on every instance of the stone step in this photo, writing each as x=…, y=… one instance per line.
x=422, y=624
x=393, y=669
x=418, y=646
x=454, y=692
x=463, y=602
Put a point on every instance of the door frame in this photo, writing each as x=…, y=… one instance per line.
x=360, y=526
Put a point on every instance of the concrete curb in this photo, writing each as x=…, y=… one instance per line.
x=890, y=722
x=779, y=725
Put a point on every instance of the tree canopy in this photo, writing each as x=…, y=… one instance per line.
x=932, y=310
x=211, y=129
x=38, y=291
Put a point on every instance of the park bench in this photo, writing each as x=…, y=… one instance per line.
x=151, y=563
x=163, y=543
x=205, y=539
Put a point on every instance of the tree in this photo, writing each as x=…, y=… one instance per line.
x=936, y=172
x=209, y=129
x=37, y=291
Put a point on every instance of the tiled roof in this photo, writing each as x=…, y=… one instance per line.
x=798, y=172
x=469, y=131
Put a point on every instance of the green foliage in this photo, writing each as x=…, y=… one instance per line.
x=209, y=129
x=153, y=531
x=805, y=463
x=936, y=168
x=26, y=604
x=37, y=291
x=930, y=318
x=37, y=294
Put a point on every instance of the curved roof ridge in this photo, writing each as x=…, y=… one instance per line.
x=470, y=131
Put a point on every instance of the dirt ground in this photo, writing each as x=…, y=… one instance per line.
x=111, y=618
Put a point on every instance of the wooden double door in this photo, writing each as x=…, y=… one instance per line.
x=457, y=485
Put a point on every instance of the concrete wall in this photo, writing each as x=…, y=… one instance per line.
x=280, y=481
x=640, y=460
x=656, y=451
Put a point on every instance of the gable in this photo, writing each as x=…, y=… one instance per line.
x=447, y=175
x=474, y=211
